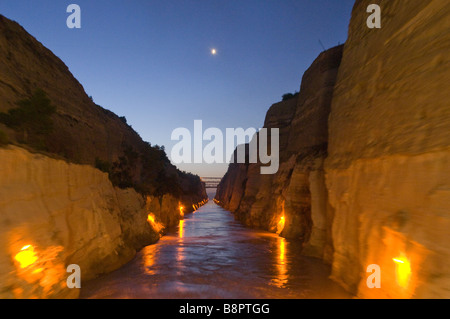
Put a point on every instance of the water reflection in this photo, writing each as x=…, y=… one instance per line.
x=181, y=229
x=282, y=278
x=210, y=255
x=149, y=258
x=282, y=248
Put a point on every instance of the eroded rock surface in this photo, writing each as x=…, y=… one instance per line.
x=56, y=209
x=389, y=151
x=69, y=214
x=297, y=191
x=364, y=175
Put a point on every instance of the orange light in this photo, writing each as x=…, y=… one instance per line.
x=26, y=256
x=281, y=277
x=181, y=229
x=181, y=208
x=282, y=250
x=403, y=270
x=157, y=226
x=36, y=271
x=280, y=225
x=149, y=259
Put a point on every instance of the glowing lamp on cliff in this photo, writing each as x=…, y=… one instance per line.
x=157, y=226
x=280, y=225
x=26, y=256
x=402, y=271
x=151, y=218
x=181, y=208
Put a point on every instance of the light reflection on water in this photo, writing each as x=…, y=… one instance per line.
x=149, y=258
x=181, y=228
x=210, y=255
x=282, y=278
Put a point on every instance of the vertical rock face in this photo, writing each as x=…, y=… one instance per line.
x=82, y=131
x=58, y=212
x=69, y=214
x=389, y=151
x=297, y=191
x=364, y=156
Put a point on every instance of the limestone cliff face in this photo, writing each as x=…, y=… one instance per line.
x=69, y=214
x=25, y=65
x=58, y=205
x=364, y=175
x=297, y=191
x=389, y=150
x=83, y=132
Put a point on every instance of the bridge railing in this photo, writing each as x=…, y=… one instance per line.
x=211, y=182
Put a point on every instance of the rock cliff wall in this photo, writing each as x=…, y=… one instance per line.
x=364, y=157
x=296, y=194
x=56, y=209
x=69, y=214
x=389, y=151
x=82, y=132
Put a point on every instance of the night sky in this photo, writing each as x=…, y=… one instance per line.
x=151, y=61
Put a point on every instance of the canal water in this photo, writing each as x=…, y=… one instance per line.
x=210, y=255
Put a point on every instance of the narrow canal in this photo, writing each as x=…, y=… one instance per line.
x=210, y=255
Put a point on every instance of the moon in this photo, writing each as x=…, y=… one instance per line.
x=213, y=51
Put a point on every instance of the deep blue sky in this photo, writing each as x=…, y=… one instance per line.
x=150, y=60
